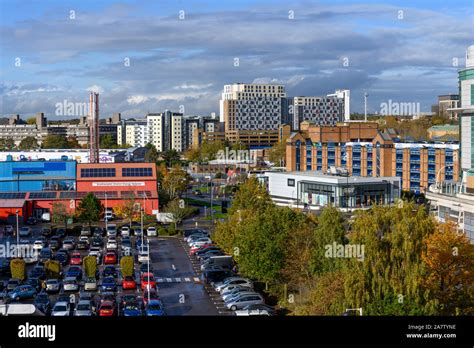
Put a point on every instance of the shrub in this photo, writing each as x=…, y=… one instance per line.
x=127, y=265
x=52, y=269
x=17, y=268
x=172, y=230
x=162, y=231
x=90, y=266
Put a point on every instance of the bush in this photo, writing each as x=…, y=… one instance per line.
x=90, y=266
x=52, y=269
x=127, y=266
x=162, y=231
x=17, y=268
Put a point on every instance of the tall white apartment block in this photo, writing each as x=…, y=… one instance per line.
x=132, y=132
x=252, y=106
x=323, y=111
x=345, y=95
x=165, y=130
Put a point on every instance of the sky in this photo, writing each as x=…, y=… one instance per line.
x=148, y=56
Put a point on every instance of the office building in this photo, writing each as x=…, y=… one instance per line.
x=165, y=130
x=445, y=103
x=364, y=151
x=324, y=111
x=317, y=189
x=133, y=132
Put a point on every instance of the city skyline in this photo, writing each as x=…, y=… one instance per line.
x=393, y=51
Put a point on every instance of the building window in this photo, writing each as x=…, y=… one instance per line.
x=291, y=182
x=137, y=172
x=97, y=172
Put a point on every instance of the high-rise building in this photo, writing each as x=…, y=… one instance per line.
x=252, y=106
x=445, y=104
x=466, y=103
x=133, y=132
x=166, y=130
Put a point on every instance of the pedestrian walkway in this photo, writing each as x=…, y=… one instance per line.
x=179, y=280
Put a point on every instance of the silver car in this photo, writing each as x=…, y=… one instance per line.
x=90, y=284
x=228, y=281
x=236, y=293
x=245, y=300
x=61, y=309
x=70, y=284
x=83, y=309
x=53, y=285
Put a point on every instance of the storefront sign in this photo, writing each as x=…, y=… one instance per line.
x=124, y=183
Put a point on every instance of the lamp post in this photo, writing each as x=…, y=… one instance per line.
x=141, y=224
x=106, y=217
x=437, y=174
x=17, y=231
x=148, y=268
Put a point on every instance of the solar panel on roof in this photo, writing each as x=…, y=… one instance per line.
x=68, y=194
x=12, y=195
x=43, y=195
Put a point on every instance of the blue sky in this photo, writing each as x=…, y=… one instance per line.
x=185, y=62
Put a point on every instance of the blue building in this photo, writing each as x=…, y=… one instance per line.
x=26, y=176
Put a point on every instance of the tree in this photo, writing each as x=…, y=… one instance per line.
x=177, y=209
x=89, y=209
x=193, y=155
x=107, y=142
x=330, y=230
x=152, y=154
x=170, y=156
x=31, y=120
x=278, y=153
x=126, y=266
x=175, y=182
x=28, y=143
x=18, y=269
x=52, y=269
x=250, y=195
x=72, y=143
x=127, y=210
x=449, y=264
x=90, y=266
x=55, y=142
x=60, y=213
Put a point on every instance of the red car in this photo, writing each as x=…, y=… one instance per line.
x=129, y=283
x=107, y=309
x=194, y=249
x=110, y=258
x=76, y=259
x=148, y=281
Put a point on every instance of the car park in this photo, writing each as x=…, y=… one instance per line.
x=108, y=285
x=53, y=285
x=109, y=271
x=83, y=309
x=74, y=271
x=61, y=309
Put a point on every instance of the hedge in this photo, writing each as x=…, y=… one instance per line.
x=52, y=269
x=90, y=266
x=127, y=266
x=17, y=268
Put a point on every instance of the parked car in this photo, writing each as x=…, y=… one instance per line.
x=62, y=256
x=54, y=243
x=31, y=220
x=200, y=242
x=60, y=232
x=37, y=272
x=45, y=255
x=5, y=266
x=143, y=256
x=144, y=267
x=154, y=308
x=232, y=281
x=99, y=232
x=111, y=244
x=61, y=309
x=150, y=295
x=35, y=282
x=43, y=303
x=97, y=254
x=22, y=292
x=68, y=244
x=111, y=230
x=39, y=244
x=131, y=310
x=76, y=259
x=243, y=300
x=12, y=284
x=83, y=309
x=108, y=284
x=108, y=216
x=46, y=232
x=107, y=309
x=82, y=245
x=74, y=271
x=86, y=231
x=90, y=284
x=128, y=283
x=256, y=309
x=109, y=271
x=70, y=284
x=53, y=285
x=125, y=231
x=110, y=258
x=213, y=276
x=151, y=231
x=128, y=298
x=235, y=293
x=147, y=281
x=25, y=231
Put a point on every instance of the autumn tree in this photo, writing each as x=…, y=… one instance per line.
x=60, y=213
x=175, y=182
x=449, y=264
x=28, y=143
x=55, y=142
x=278, y=153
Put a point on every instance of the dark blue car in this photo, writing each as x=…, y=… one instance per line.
x=131, y=310
x=154, y=308
x=74, y=271
x=108, y=284
x=43, y=303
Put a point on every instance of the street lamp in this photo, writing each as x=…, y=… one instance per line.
x=141, y=227
x=106, y=217
x=148, y=268
x=439, y=171
x=17, y=231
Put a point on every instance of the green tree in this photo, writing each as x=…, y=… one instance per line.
x=90, y=266
x=28, y=143
x=278, y=153
x=72, y=143
x=89, y=209
x=330, y=230
x=127, y=210
x=152, y=154
x=55, y=142
x=31, y=120
x=178, y=210
x=250, y=195
x=7, y=144
x=175, y=182
x=170, y=157
x=107, y=142
x=127, y=266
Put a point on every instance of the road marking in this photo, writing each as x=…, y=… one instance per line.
x=169, y=280
x=197, y=280
x=178, y=280
x=159, y=280
x=187, y=279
